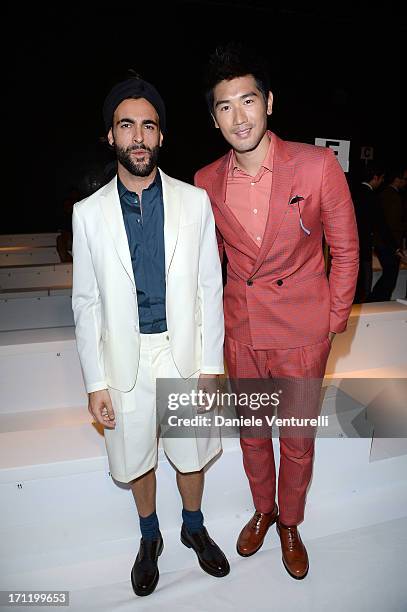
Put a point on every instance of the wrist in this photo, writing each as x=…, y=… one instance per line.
x=97, y=391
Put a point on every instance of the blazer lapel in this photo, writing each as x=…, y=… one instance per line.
x=220, y=181
x=219, y=186
x=112, y=212
x=283, y=176
x=172, y=214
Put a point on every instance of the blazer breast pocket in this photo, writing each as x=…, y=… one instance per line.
x=297, y=219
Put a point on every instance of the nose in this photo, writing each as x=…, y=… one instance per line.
x=239, y=115
x=138, y=135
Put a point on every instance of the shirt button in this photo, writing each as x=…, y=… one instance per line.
x=279, y=282
x=252, y=183
x=258, y=238
x=255, y=211
x=249, y=282
x=167, y=337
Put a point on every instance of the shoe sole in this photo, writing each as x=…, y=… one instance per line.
x=293, y=575
x=257, y=549
x=146, y=592
x=205, y=569
x=286, y=568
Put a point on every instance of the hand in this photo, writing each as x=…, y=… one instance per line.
x=331, y=336
x=208, y=384
x=100, y=407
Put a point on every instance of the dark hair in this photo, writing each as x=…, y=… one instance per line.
x=372, y=170
x=231, y=61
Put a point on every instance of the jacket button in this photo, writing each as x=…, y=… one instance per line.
x=249, y=282
x=279, y=282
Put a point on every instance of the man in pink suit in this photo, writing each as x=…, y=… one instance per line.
x=273, y=202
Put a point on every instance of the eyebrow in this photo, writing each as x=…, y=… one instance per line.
x=144, y=122
x=248, y=95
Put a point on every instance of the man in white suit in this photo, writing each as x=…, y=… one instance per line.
x=147, y=302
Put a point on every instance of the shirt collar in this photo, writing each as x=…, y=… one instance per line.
x=122, y=189
x=367, y=185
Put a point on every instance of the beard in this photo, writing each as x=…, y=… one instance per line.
x=138, y=168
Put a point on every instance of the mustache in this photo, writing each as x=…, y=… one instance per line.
x=139, y=148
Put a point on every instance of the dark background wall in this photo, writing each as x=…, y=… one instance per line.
x=337, y=72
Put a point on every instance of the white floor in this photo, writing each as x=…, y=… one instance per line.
x=357, y=571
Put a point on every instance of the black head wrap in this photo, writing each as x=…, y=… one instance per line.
x=132, y=88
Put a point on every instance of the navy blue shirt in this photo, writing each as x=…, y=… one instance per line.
x=144, y=223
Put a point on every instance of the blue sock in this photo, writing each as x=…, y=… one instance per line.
x=149, y=526
x=193, y=520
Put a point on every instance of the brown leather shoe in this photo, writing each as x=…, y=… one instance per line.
x=295, y=557
x=252, y=536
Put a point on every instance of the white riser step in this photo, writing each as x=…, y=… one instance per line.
x=27, y=240
x=36, y=312
x=34, y=292
x=376, y=337
x=47, y=361
x=40, y=369
x=25, y=256
x=46, y=275
x=40, y=449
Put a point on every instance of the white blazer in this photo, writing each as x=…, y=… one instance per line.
x=104, y=297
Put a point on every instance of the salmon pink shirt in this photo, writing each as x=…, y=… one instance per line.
x=248, y=196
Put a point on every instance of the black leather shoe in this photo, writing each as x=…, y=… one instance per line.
x=145, y=574
x=210, y=557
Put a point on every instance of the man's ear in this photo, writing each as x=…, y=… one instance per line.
x=214, y=121
x=161, y=139
x=269, y=103
x=110, y=137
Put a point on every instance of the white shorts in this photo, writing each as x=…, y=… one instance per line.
x=132, y=445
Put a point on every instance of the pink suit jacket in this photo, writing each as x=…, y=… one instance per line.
x=278, y=295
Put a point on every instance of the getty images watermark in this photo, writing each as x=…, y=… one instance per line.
x=200, y=398
x=204, y=401
x=350, y=408
x=187, y=410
